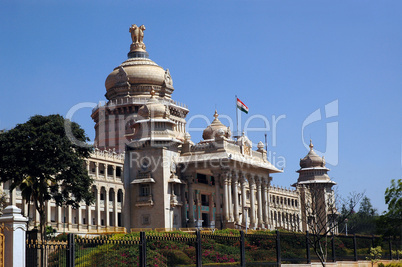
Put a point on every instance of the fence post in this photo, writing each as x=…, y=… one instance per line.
x=333, y=247
x=355, y=247
x=390, y=248
x=242, y=250
x=308, y=247
x=70, y=251
x=143, y=250
x=15, y=236
x=278, y=249
x=198, y=249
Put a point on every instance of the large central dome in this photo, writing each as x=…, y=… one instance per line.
x=138, y=75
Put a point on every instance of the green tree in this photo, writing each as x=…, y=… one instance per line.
x=390, y=223
x=366, y=208
x=40, y=158
x=393, y=197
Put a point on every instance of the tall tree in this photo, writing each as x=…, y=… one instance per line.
x=390, y=223
x=393, y=197
x=321, y=216
x=40, y=158
x=366, y=208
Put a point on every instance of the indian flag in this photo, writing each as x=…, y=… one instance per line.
x=242, y=106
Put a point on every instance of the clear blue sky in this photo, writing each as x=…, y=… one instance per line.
x=286, y=58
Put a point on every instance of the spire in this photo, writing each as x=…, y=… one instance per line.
x=311, y=145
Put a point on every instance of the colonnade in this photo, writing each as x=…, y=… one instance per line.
x=102, y=213
x=234, y=207
x=252, y=202
x=97, y=173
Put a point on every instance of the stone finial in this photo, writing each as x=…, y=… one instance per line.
x=187, y=137
x=216, y=115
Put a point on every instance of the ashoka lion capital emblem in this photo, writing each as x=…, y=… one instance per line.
x=137, y=36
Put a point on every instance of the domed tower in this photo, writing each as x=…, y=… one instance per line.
x=316, y=194
x=216, y=129
x=128, y=87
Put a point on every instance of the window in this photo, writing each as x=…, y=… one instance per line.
x=204, y=200
x=212, y=180
x=202, y=178
x=145, y=190
x=118, y=171
x=146, y=219
x=110, y=170
x=101, y=168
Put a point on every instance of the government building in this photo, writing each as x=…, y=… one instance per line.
x=149, y=174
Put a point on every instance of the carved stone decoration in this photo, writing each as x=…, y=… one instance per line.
x=122, y=75
x=167, y=112
x=168, y=78
x=137, y=36
x=247, y=151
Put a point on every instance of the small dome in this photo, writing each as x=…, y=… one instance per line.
x=153, y=108
x=215, y=129
x=312, y=159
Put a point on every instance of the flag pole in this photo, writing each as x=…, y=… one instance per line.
x=237, y=119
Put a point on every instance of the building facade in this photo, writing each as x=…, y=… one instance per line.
x=149, y=174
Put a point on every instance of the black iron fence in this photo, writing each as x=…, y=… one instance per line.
x=202, y=249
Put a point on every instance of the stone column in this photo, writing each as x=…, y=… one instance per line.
x=69, y=217
x=98, y=211
x=114, y=173
x=265, y=201
x=97, y=170
x=218, y=213
x=225, y=198
x=244, y=198
x=260, y=222
x=48, y=212
x=106, y=171
x=230, y=199
x=106, y=208
x=79, y=221
x=198, y=207
x=89, y=217
x=115, y=212
x=184, y=207
x=87, y=165
x=191, y=201
x=235, y=179
x=252, y=203
x=211, y=210
x=15, y=236
x=59, y=216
